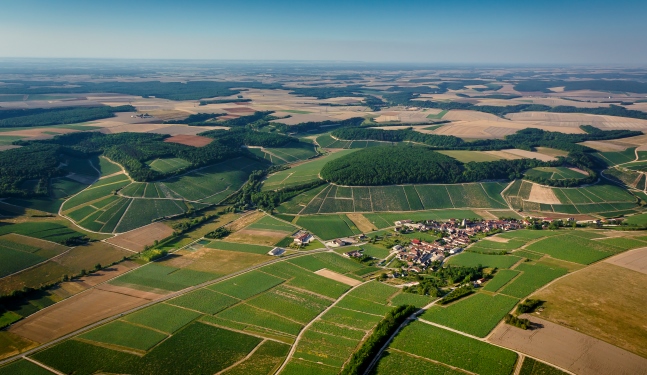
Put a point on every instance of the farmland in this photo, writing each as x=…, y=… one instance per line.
x=453, y=349
x=407, y=198
x=290, y=153
x=328, y=227
x=554, y=173
x=501, y=278
x=574, y=248
x=460, y=315
x=469, y=259
x=303, y=173
x=532, y=278
x=167, y=165
x=18, y=253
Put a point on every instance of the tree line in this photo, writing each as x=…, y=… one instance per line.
x=57, y=116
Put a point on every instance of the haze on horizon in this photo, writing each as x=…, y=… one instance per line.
x=469, y=32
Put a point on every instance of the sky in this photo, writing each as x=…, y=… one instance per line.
x=449, y=31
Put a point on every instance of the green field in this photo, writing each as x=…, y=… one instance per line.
x=155, y=276
x=162, y=317
x=410, y=299
x=612, y=158
x=328, y=227
x=247, y=285
x=532, y=278
x=298, y=306
x=469, y=156
x=53, y=232
x=204, y=300
x=394, y=362
x=533, y=367
x=242, y=247
x=407, y=198
x=291, y=153
x=298, y=203
x=469, y=259
x=214, y=183
x=271, y=223
x=453, y=349
x=98, y=190
x=461, y=315
x=306, y=172
x=168, y=165
x=267, y=358
x=575, y=248
x=23, y=367
x=16, y=256
x=386, y=219
x=303, y=279
x=144, y=211
x=329, y=261
x=253, y=317
x=501, y=278
x=554, y=173
x=197, y=349
x=125, y=334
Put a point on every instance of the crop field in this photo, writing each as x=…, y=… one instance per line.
x=17, y=255
x=468, y=156
x=328, y=227
x=612, y=158
x=155, y=276
x=233, y=246
x=501, y=278
x=271, y=223
x=162, y=317
x=532, y=367
x=533, y=277
x=387, y=219
x=528, y=235
x=306, y=172
x=196, y=349
x=144, y=211
x=460, y=315
x=23, y=367
x=407, y=198
x=329, y=261
x=574, y=248
x=291, y=153
x=265, y=360
x=325, y=349
x=107, y=167
x=487, y=246
x=204, y=300
x=299, y=306
x=554, y=173
x=411, y=299
x=469, y=259
x=125, y=334
x=102, y=219
x=252, y=317
x=375, y=292
x=396, y=362
x=599, y=198
x=453, y=349
x=167, y=165
x=96, y=191
x=43, y=230
x=298, y=203
x=300, y=278
x=247, y=285
x=214, y=183
x=378, y=252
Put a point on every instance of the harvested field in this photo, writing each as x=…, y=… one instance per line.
x=634, y=260
x=362, y=223
x=245, y=221
x=137, y=239
x=529, y=154
x=568, y=349
x=220, y=262
x=189, y=140
x=600, y=301
x=603, y=146
x=337, y=277
x=542, y=194
x=74, y=313
x=257, y=236
x=577, y=119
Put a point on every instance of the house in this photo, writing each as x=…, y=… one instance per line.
x=277, y=251
x=455, y=250
x=353, y=254
x=336, y=243
x=396, y=248
x=303, y=238
x=480, y=281
x=400, y=223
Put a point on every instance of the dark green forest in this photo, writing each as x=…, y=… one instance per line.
x=57, y=116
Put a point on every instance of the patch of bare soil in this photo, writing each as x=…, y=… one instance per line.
x=542, y=194
x=189, y=140
x=137, y=239
x=337, y=277
x=74, y=313
x=361, y=222
x=635, y=260
x=258, y=237
x=568, y=349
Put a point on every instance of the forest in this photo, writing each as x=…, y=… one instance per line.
x=192, y=90
x=317, y=126
x=37, y=162
x=57, y=116
x=595, y=84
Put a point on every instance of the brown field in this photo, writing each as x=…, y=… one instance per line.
x=465, y=115
x=551, y=151
x=258, y=237
x=603, y=146
x=577, y=119
x=241, y=110
x=639, y=140
x=496, y=239
x=542, y=194
x=489, y=215
x=45, y=273
x=601, y=301
x=70, y=288
x=635, y=260
x=137, y=239
x=337, y=277
x=529, y=154
x=568, y=349
x=245, y=221
x=219, y=262
x=185, y=129
x=189, y=140
x=31, y=241
x=503, y=155
x=362, y=223
x=74, y=313
x=8, y=147
x=552, y=262
x=87, y=256
x=12, y=344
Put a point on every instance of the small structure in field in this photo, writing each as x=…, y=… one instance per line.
x=353, y=254
x=303, y=238
x=277, y=251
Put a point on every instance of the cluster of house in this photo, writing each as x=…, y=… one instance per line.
x=421, y=254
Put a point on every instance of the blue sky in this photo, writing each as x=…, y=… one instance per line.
x=510, y=32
